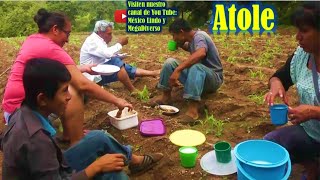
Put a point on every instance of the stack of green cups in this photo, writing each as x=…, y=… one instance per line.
x=188, y=156
x=172, y=45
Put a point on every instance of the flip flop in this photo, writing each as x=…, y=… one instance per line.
x=149, y=161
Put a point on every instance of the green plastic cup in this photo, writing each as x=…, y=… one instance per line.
x=188, y=156
x=172, y=45
x=223, y=151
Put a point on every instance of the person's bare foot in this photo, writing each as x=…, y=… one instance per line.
x=192, y=111
x=164, y=99
x=193, y=115
x=135, y=159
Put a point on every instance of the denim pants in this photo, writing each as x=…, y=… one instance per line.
x=114, y=77
x=197, y=79
x=93, y=145
x=297, y=142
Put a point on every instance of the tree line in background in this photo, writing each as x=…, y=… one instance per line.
x=17, y=16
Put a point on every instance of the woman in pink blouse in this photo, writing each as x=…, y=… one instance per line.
x=54, y=32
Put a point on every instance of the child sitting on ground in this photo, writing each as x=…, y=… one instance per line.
x=30, y=151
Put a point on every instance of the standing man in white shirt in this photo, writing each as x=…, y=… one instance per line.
x=95, y=50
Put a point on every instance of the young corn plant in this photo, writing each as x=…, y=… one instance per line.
x=257, y=98
x=142, y=55
x=211, y=124
x=265, y=59
x=232, y=59
x=257, y=74
x=133, y=64
x=144, y=95
x=162, y=59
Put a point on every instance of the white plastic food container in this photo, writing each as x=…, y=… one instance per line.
x=127, y=119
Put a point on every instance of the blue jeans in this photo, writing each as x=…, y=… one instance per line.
x=197, y=79
x=93, y=145
x=300, y=146
x=114, y=77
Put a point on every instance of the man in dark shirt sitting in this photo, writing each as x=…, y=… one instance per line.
x=29, y=150
x=200, y=73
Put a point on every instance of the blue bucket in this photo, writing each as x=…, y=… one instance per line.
x=262, y=160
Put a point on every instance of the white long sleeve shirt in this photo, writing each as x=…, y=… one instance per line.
x=96, y=51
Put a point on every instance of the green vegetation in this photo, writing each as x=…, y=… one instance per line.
x=211, y=124
x=17, y=16
x=162, y=59
x=257, y=74
x=265, y=59
x=15, y=42
x=76, y=40
x=232, y=59
x=257, y=98
x=142, y=55
x=144, y=95
x=136, y=148
x=133, y=64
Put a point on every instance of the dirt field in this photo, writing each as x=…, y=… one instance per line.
x=248, y=63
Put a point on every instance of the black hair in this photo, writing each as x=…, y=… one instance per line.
x=46, y=20
x=43, y=75
x=307, y=15
x=178, y=25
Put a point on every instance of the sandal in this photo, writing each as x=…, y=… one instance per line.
x=147, y=163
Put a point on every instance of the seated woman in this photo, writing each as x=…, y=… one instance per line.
x=29, y=150
x=302, y=139
x=54, y=32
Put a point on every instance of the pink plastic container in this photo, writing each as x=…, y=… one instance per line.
x=152, y=127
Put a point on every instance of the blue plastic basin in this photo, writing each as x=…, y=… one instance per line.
x=262, y=160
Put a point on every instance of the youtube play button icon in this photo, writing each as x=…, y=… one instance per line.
x=120, y=16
